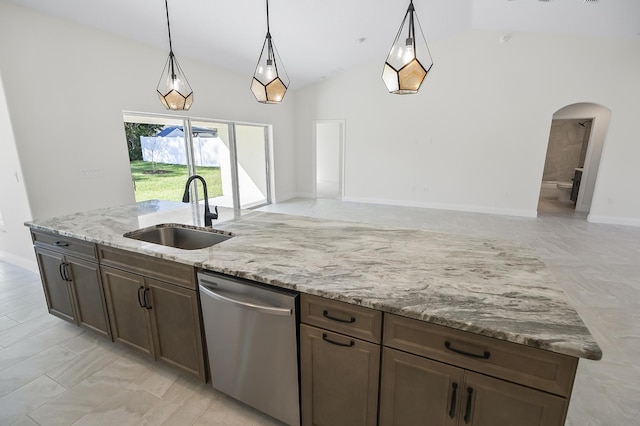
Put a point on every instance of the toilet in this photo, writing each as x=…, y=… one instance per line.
x=564, y=190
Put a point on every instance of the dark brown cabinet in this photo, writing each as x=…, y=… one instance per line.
x=437, y=376
x=130, y=323
x=339, y=372
x=417, y=391
x=160, y=318
x=71, y=281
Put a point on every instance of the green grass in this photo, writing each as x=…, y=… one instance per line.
x=169, y=185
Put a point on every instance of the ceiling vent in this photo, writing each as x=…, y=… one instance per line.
x=590, y=1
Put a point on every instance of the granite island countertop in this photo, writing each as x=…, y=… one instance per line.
x=494, y=288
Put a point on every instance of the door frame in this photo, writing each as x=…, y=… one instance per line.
x=342, y=152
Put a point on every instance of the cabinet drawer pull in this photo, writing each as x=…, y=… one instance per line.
x=467, y=414
x=452, y=405
x=346, y=345
x=140, y=289
x=325, y=314
x=61, y=244
x=485, y=355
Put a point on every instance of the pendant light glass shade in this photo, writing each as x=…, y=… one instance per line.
x=409, y=60
x=173, y=89
x=270, y=80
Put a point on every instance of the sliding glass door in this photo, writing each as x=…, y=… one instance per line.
x=252, y=160
x=233, y=158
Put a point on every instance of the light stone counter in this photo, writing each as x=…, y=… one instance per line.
x=494, y=288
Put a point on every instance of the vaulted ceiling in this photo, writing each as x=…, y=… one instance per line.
x=320, y=38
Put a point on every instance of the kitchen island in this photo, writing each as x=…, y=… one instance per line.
x=495, y=289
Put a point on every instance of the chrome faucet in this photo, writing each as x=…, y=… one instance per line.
x=207, y=213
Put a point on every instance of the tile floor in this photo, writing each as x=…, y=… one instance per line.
x=53, y=373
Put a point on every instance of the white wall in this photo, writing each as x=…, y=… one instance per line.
x=15, y=243
x=66, y=87
x=475, y=136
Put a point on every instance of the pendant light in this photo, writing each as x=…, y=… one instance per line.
x=408, y=62
x=173, y=89
x=270, y=80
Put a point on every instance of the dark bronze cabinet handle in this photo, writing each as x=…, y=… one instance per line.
x=146, y=303
x=346, y=345
x=325, y=314
x=467, y=414
x=140, y=289
x=485, y=355
x=65, y=268
x=61, y=244
x=61, y=270
x=452, y=405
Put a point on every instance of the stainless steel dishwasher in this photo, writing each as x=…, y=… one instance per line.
x=252, y=343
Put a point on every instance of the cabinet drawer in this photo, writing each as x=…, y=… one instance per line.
x=64, y=244
x=548, y=371
x=342, y=317
x=164, y=270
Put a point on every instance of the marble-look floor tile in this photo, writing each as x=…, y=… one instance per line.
x=28, y=313
x=21, y=402
x=229, y=412
x=156, y=380
x=92, y=361
x=25, y=421
x=124, y=408
x=20, y=331
x=34, y=367
x=35, y=343
x=82, y=398
x=7, y=323
x=13, y=305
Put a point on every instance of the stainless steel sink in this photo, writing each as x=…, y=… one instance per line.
x=180, y=236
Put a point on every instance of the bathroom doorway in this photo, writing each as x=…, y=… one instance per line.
x=576, y=139
x=329, y=159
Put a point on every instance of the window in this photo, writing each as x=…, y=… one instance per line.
x=232, y=157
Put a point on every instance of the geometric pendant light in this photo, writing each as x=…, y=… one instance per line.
x=173, y=89
x=270, y=80
x=409, y=60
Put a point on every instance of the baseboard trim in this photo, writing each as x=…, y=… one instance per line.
x=21, y=262
x=442, y=206
x=613, y=220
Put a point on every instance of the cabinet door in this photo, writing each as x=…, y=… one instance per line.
x=86, y=285
x=493, y=402
x=129, y=319
x=339, y=379
x=175, y=325
x=56, y=289
x=417, y=391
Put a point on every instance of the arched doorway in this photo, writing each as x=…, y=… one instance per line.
x=576, y=139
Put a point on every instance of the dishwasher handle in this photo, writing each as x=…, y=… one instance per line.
x=251, y=306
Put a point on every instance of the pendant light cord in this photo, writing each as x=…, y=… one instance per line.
x=166, y=7
x=268, y=30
